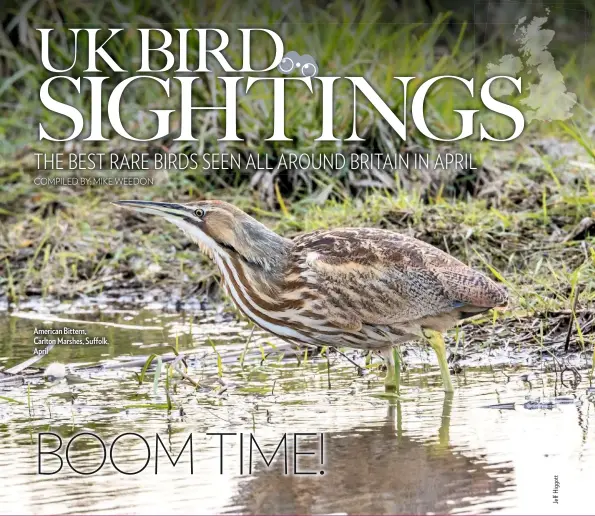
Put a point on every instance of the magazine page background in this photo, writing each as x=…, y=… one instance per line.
x=124, y=287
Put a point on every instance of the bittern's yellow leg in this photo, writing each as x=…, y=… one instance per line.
x=393, y=370
x=444, y=430
x=436, y=340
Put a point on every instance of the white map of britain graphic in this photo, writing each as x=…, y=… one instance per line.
x=548, y=98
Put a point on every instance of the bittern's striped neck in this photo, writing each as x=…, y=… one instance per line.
x=223, y=231
x=254, y=251
x=274, y=301
x=254, y=263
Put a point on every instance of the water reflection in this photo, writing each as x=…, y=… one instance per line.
x=425, y=453
x=381, y=470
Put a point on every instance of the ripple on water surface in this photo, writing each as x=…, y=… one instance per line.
x=423, y=453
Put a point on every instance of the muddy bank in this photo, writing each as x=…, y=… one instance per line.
x=524, y=212
x=547, y=343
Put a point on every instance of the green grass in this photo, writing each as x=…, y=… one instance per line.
x=373, y=42
x=510, y=218
x=86, y=248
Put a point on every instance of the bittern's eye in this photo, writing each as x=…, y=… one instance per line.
x=200, y=213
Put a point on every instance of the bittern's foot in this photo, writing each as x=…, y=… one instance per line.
x=393, y=370
x=436, y=341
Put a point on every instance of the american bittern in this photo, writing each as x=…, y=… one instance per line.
x=357, y=287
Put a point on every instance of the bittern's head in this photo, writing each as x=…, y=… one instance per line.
x=220, y=229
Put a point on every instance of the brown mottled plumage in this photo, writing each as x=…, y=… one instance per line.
x=384, y=285
x=359, y=287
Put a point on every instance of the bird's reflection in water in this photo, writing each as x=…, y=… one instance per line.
x=381, y=470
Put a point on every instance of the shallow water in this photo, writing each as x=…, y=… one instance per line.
x=423, y=452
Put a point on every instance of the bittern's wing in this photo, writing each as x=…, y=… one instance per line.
x=379, y=277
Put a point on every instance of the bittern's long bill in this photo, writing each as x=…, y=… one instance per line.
x=357, y=287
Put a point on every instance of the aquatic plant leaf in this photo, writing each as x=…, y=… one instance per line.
x=219, y=361
x=145, y=367
x=157, y=374
x=11, y=400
